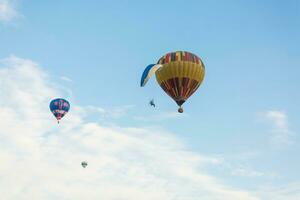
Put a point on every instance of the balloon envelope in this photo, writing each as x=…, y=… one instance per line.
x=84, y=164
x=59, y=108
x=179, y=75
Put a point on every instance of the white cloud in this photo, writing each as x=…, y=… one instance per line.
x=41, y=160
x=280, y=129
x=237, y=165
x=289, y=191
x=7, y=11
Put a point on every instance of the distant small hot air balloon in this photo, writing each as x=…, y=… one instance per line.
x=84, y=164
x=59, y=108
x=178, y=73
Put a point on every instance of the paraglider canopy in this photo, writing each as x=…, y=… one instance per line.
x=84, y=164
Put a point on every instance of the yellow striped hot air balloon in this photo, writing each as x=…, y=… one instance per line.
x=178, y=73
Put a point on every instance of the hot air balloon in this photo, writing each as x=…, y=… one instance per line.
x=178, y=73
x=84, y=164
x=59, y=107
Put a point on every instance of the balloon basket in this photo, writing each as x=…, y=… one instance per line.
x=180, y=110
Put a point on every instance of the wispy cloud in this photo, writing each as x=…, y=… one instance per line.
x=8, y=11
x=159, y=116
x=41, y=160
x=246, y=172
x=113, y=112
x=65, y=78
x=289, y=191
x=237, y=165
x=280, y=128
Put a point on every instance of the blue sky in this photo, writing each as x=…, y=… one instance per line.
x=245, y=114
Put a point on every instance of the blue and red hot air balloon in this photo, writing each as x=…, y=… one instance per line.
x=59, y=108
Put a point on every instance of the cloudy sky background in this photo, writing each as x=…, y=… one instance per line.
x=238, y=137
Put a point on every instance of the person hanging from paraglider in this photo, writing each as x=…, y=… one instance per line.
x=151, y=103
x=178, y=73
